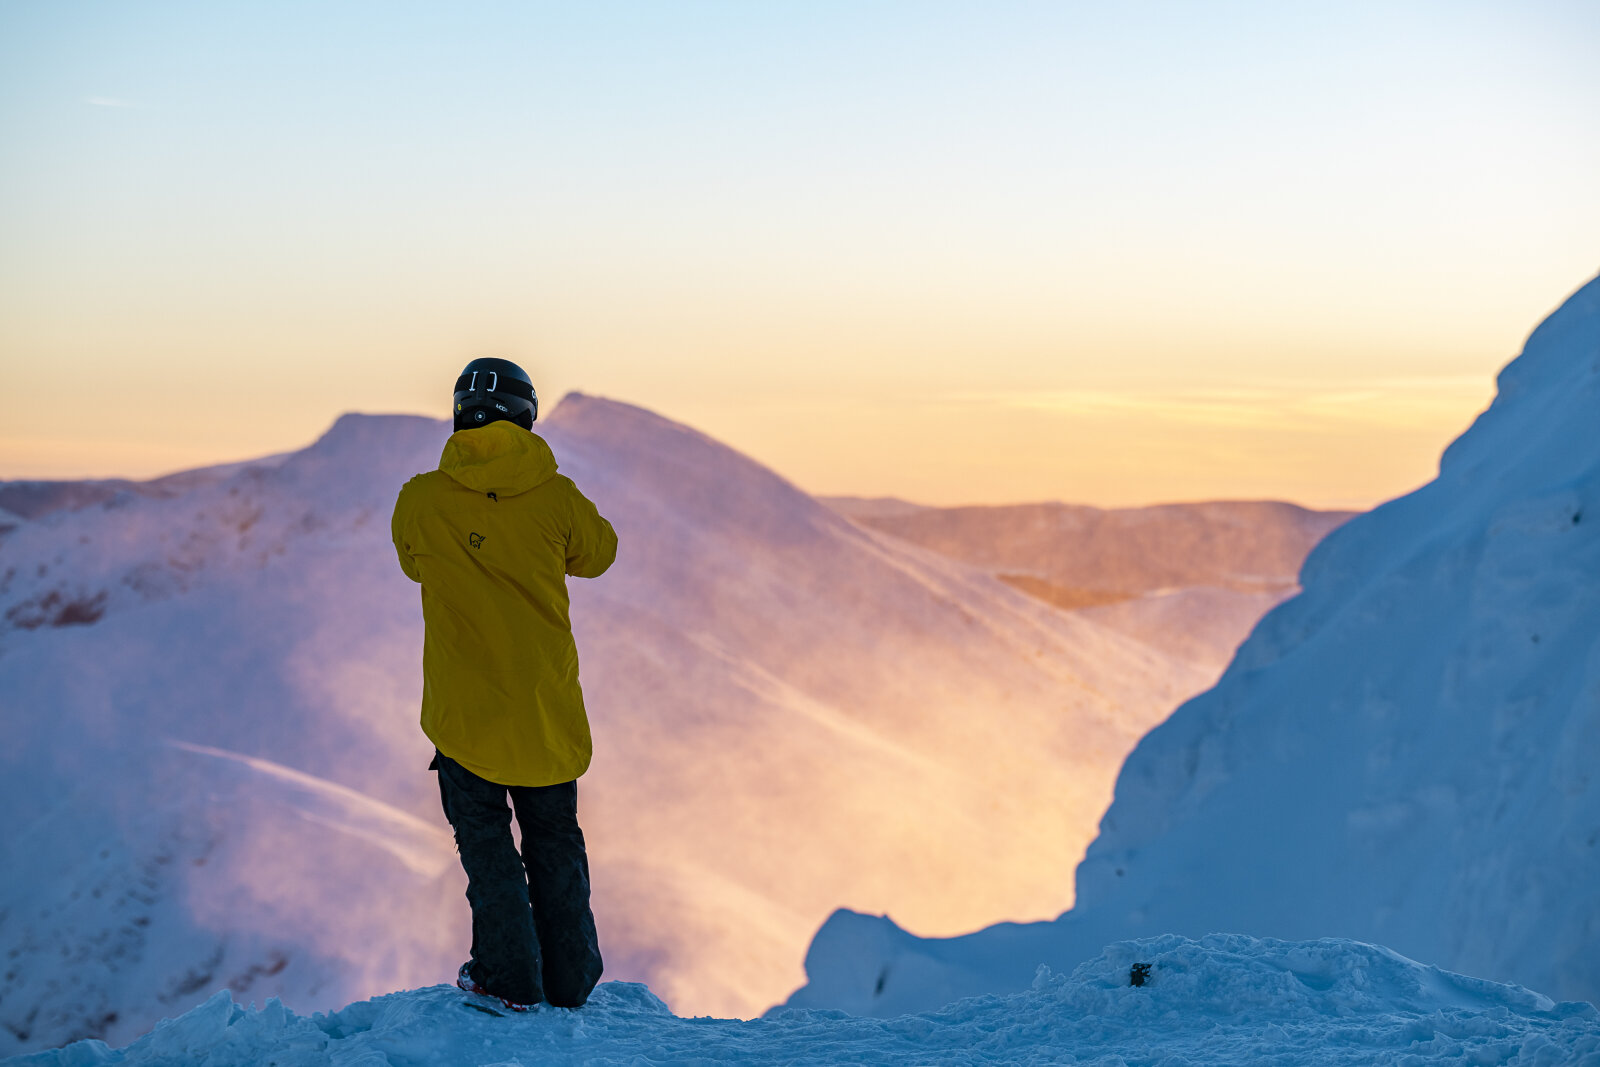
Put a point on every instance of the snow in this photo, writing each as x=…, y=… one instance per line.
x=1251, y=546
x=1204, y=625
x=1222, y=999
x=215, y=777
x=1189, y=579
x=1402, y=755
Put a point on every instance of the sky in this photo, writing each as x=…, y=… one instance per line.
x=960, y=253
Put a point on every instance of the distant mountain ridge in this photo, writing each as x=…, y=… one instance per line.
x=1189, y=579
x=1403, y=754
x=35, y=498
x=1104, y=555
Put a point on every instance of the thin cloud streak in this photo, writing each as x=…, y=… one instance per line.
x=110, y=101
x=1298, y=406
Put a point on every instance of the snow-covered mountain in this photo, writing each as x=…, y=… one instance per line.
x=1096, y=554
x=215, y=777
x=1190, y=579
x=1403, y=754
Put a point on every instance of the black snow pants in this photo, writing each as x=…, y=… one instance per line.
x=533, y=935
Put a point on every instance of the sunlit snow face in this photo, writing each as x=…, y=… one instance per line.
x=791, y=713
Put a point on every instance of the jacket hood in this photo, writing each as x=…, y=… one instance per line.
x=500, y=458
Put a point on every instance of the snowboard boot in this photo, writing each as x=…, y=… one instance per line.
x=466, y=982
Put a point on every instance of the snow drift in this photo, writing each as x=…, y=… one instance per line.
x=1403, y=754
x=1224, y=999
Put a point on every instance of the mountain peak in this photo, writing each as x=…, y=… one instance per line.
x=585, y=416
x=356, y=432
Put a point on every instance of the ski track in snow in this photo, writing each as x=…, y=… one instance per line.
x=1223, y=999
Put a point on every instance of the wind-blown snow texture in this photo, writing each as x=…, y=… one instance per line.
x=214, y=776
x=1404, y=754
x=1225, y=999
x=1190, y=579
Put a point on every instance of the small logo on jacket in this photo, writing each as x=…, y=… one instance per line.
x=476, y=539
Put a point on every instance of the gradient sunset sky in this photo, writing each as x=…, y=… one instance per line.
x=959, y=253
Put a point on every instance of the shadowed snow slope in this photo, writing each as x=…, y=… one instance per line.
x=214, y=776
x=1226, y=999
x=1403, y=754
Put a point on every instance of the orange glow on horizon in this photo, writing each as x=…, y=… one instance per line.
x=1346, y=444
x=1337, y=445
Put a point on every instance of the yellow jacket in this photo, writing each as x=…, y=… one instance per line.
x=492, y=535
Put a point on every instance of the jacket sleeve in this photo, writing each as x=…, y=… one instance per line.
x=402, y=541
x=592, y=545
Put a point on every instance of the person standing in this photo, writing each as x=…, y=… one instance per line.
x=492, y=536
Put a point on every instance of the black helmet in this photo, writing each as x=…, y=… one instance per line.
x=491, y=390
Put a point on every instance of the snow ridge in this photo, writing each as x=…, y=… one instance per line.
x=1403, y=754
x=1222, y=999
